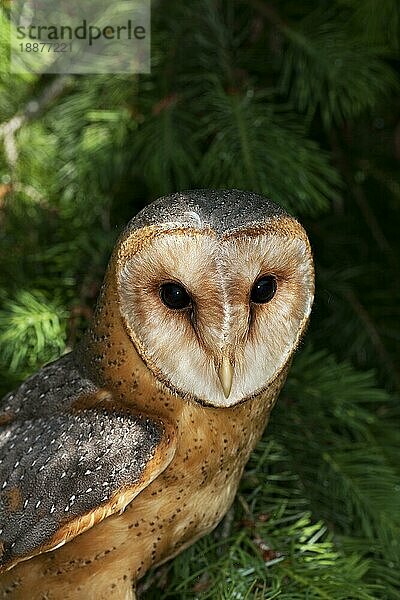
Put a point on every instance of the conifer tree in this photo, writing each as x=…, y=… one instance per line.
x=297, y=101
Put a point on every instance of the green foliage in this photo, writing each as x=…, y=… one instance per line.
x=266, y=141
x=357, y=488
x=325, y=67
x=33, y=330
x=297, y=100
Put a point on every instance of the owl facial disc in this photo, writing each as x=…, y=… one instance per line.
x=231, y=311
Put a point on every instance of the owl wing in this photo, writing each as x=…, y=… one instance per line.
x=69, y=458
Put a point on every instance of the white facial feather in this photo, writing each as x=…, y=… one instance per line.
x=184, y=350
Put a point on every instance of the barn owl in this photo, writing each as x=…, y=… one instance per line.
x=120, y=454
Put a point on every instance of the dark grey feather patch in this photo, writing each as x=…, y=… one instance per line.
x=57, y=465
x=222, y=210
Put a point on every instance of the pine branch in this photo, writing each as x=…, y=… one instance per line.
x=324, y=68
x=166, y=146
x=270, y=148
x=373, y=333
x=339, y=450
x=33, y=330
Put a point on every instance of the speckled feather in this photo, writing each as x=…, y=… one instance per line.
x=222, y=211
x=195, y=453
x=58, y=464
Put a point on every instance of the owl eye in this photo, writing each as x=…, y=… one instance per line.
x=263, y=290
x=174, y=295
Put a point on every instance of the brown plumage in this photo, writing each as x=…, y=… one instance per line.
x=132, y=447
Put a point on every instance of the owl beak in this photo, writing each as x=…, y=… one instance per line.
x=225, y=374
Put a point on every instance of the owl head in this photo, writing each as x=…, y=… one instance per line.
x=214, y=289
